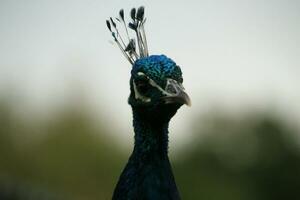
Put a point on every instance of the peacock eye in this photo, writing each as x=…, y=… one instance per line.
x=142, y=85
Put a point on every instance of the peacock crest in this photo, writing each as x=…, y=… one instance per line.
x=137, y=23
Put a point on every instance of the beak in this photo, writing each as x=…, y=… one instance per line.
x=174, y=93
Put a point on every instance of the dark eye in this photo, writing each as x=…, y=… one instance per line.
x=142, y=86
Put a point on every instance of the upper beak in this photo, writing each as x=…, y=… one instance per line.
x=175, y=93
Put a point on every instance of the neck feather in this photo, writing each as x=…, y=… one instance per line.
x=148, y=173
x=151, y=136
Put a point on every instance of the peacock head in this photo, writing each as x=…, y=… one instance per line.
x=156, y=80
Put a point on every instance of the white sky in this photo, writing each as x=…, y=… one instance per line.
x=238, y=54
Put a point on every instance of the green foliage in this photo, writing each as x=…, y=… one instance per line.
x=74, y=159
x=68, y=157
x=247, y=158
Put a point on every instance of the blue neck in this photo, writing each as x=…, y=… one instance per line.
x=148, y=174
x=151, y=137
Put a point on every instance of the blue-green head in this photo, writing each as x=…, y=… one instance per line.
x=156, y=84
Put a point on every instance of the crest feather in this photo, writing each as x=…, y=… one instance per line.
x=137, y=25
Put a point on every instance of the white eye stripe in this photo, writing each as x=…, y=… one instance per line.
x=154, y=84
x=176, y=86
x=141, y=74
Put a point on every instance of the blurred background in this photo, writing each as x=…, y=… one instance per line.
x=65, y=125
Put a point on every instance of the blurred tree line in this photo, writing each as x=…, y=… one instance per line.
x=238, y=158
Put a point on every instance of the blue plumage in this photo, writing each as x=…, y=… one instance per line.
x=158, y=68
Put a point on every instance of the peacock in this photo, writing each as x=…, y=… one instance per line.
x=156, y=93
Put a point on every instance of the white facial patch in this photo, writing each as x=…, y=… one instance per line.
x=141, y=74
x=176, y=87
x=172, y=88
